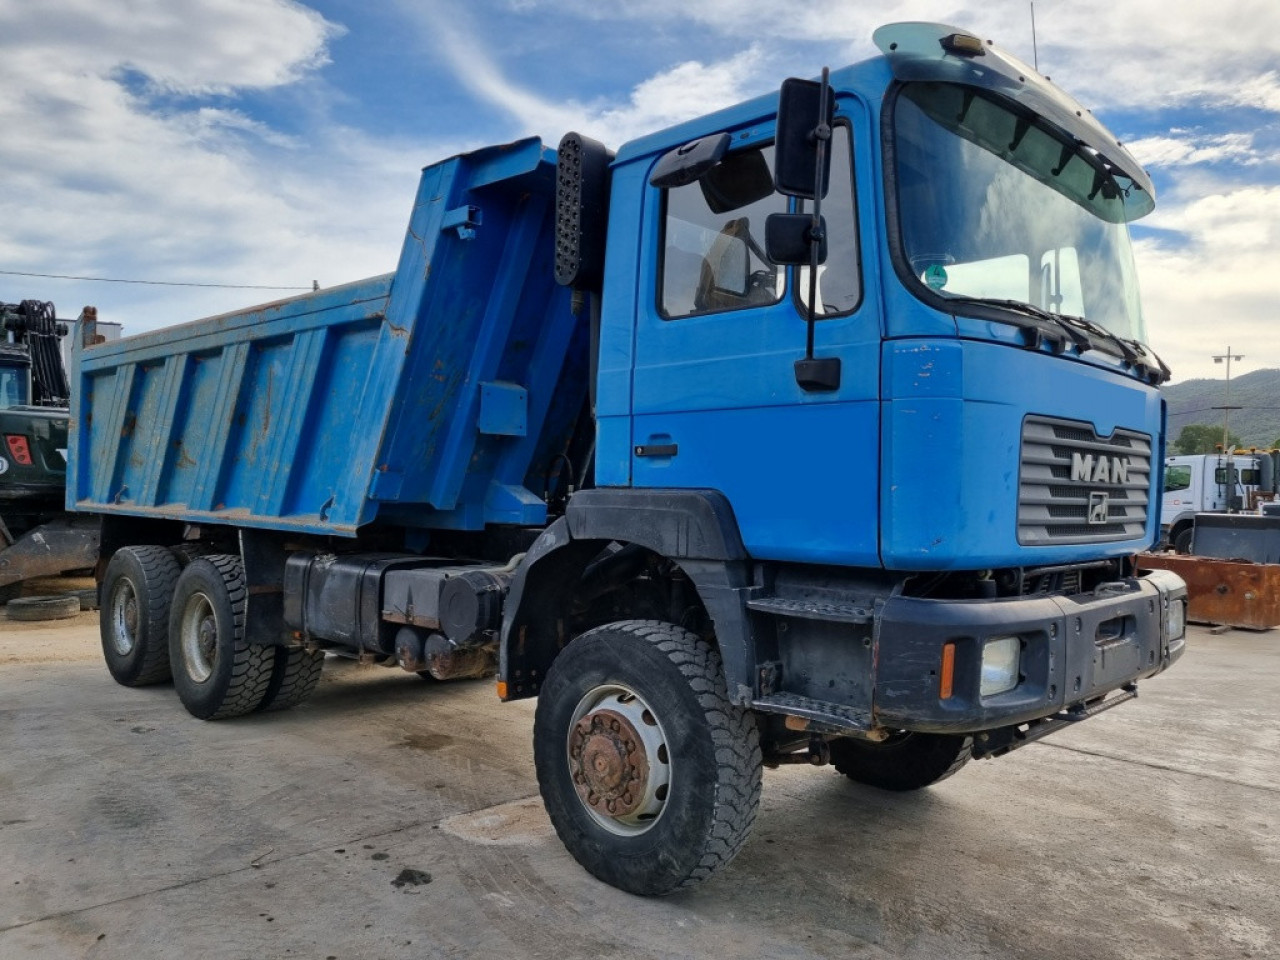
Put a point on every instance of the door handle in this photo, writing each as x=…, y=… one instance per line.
x=657, y=449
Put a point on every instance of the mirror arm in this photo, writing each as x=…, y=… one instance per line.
x=822, y=133
x=817, y=374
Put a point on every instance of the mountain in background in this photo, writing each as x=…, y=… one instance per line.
x=1257, y=423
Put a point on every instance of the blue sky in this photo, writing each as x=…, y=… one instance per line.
x=278, y=142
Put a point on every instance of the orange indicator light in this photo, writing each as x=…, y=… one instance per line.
x=948, y=670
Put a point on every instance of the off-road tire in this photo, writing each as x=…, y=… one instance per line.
x=713, y=748
x=905, y=761
x=135, y=643
x=32, y=609
x=217, y=675
x=294, y=675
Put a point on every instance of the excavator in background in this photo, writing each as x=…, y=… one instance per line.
x=37, y=537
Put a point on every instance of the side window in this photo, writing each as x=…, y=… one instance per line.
x=1177, y=478
x=713, y=239
x=713, y=256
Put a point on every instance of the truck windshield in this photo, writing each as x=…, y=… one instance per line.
x=994, y=206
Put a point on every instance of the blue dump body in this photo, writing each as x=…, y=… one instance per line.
x=435, y=397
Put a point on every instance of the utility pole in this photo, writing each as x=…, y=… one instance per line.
x=1226, y=436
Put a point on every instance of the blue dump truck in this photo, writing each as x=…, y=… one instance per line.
x=819, y=429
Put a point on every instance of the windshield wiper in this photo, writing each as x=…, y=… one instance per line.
x=1134, y=353
x=1084, y=334
x=1079, y=338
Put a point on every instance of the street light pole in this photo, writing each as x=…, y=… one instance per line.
x=1226, y=436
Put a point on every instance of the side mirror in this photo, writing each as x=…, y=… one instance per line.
x=689, y=163
x=788, y=239
x=803, y=123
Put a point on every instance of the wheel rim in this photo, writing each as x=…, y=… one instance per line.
x=199, y=637
x=124, y=617
x=619, y=760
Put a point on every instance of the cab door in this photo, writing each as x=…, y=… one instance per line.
x=715, y=403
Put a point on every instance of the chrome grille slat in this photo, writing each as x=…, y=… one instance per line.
x=1054, y=509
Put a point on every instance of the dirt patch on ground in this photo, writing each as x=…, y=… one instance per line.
x=519, y=823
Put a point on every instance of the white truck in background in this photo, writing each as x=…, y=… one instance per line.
x=1199, y=483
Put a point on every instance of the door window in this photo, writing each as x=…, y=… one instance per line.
x=1176, y=478
x=713, y=256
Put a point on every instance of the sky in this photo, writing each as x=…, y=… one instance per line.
x=277, y=143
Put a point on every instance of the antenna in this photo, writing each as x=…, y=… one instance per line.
x=1035, y=51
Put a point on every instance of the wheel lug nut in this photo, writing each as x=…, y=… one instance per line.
x=612, y=806
x=614, y=726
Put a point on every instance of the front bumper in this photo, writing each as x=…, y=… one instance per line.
x=1074, y=652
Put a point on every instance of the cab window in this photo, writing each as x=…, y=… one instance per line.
x=1176, y=478
x=713, y=256
x=713, y=235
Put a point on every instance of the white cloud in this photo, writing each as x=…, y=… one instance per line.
x=191, y=47
x=105, y=182
x=1148, y=52
x=1181, y=148
x=1217, y=287
x=680, y=92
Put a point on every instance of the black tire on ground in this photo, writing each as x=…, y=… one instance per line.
x=88, y=598
x=217, y=674
x=905, y=761
x=636, y=715
x=31, y=609
x=1182, y=542
x=294, y=675
x=134, y=617
x=10, y=591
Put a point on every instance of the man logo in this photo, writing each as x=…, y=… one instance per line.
x=1099, y=507
x=1085, y=468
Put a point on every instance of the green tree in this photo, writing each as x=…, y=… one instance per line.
x=1197, y=438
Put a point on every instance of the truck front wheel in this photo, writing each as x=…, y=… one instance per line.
x=649, y=774
x=134, y=615
x=216, y=673
x=905, y=761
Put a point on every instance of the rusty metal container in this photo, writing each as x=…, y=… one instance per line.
x=1233, y=593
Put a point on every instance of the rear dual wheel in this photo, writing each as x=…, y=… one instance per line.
x=216, y=673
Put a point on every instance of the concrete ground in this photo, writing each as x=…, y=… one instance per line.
x=130, y=830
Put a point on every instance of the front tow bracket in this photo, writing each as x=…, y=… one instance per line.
x=996, y=743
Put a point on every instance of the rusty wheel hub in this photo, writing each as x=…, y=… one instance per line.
x=619, y=760
x=608, y=761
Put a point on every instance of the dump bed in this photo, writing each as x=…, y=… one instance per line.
x=437, y=396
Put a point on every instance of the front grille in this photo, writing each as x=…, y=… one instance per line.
x=1077, y=487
